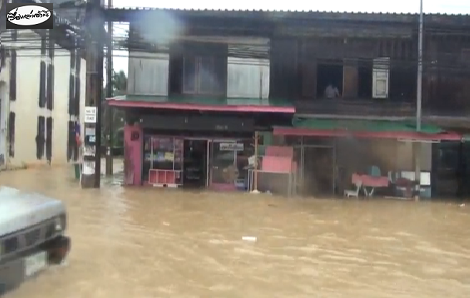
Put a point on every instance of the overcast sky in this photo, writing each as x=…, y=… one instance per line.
x=390, y=6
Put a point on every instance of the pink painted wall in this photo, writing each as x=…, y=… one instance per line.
x=132, y=154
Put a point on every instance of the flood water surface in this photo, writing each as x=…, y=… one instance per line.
x=167, y=243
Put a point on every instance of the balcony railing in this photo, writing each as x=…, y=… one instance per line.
x=358, y=108
x=380, y=108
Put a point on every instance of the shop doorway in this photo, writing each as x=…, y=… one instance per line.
x=224, y=172
x=318, y=171
x=195, y=163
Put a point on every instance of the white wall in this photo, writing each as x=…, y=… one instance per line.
x=4, y=108
x=26, y=106
x=60, y=112
x=3, y=121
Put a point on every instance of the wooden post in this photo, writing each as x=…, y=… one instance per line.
x=91, y=168
x=255, y=172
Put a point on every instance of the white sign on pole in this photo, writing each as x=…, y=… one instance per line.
x=90, y=114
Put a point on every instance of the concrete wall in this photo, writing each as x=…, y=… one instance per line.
x=5, y=108
x=3, y=121
x=26, y=106
x=60, y=113
x=405, y=156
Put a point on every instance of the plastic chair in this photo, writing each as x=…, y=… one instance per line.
x=375, y=171
x=354, y=193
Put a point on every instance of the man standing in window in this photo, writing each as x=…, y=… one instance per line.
x=331, y=91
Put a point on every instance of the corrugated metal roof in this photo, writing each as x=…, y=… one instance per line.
x=462, y=20
x=305, y=12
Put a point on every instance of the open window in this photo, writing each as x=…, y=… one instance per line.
x=329, y=73
x=380, y=77
x=201, y=75
x=365, y=79
x=403, y=83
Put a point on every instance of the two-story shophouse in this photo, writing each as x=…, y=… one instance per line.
x=336, y=90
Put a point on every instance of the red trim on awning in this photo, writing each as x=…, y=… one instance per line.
x=364, y=134
x=201, y=107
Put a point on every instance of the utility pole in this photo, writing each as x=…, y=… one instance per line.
x=109, y=93
x=419, y=93
x=91, y=170
x=3, y=14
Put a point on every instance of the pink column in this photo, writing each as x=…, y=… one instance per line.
x=133, y=136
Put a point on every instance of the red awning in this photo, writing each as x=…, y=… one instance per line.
x=291, y=131
x=202, y=107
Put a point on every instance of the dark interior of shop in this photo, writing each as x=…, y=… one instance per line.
x=318, y=171
x=195, y=163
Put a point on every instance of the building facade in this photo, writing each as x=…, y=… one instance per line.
x=41, y=97
x=192, y=72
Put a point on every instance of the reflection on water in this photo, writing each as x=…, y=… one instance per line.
x=166, y=243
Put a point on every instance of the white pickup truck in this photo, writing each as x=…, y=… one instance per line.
x=32, y=235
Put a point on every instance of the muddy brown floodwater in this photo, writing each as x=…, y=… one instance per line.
x=166, y=243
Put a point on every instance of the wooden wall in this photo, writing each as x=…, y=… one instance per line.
x=294, y=61
x=446, y=84
x=284, y=69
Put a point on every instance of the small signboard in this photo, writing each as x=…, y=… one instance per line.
x=90, y=140
x=89, y=151
x=90, y=131
x=231, y=147
x=90, y=114
x=88, y=168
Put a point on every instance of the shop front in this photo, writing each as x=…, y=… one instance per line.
x=189, y=151
x=377, y=157
x=195, y=162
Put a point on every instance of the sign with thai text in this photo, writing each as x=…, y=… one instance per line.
x=29, y=16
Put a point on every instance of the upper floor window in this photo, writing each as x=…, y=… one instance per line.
x=202, y=75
